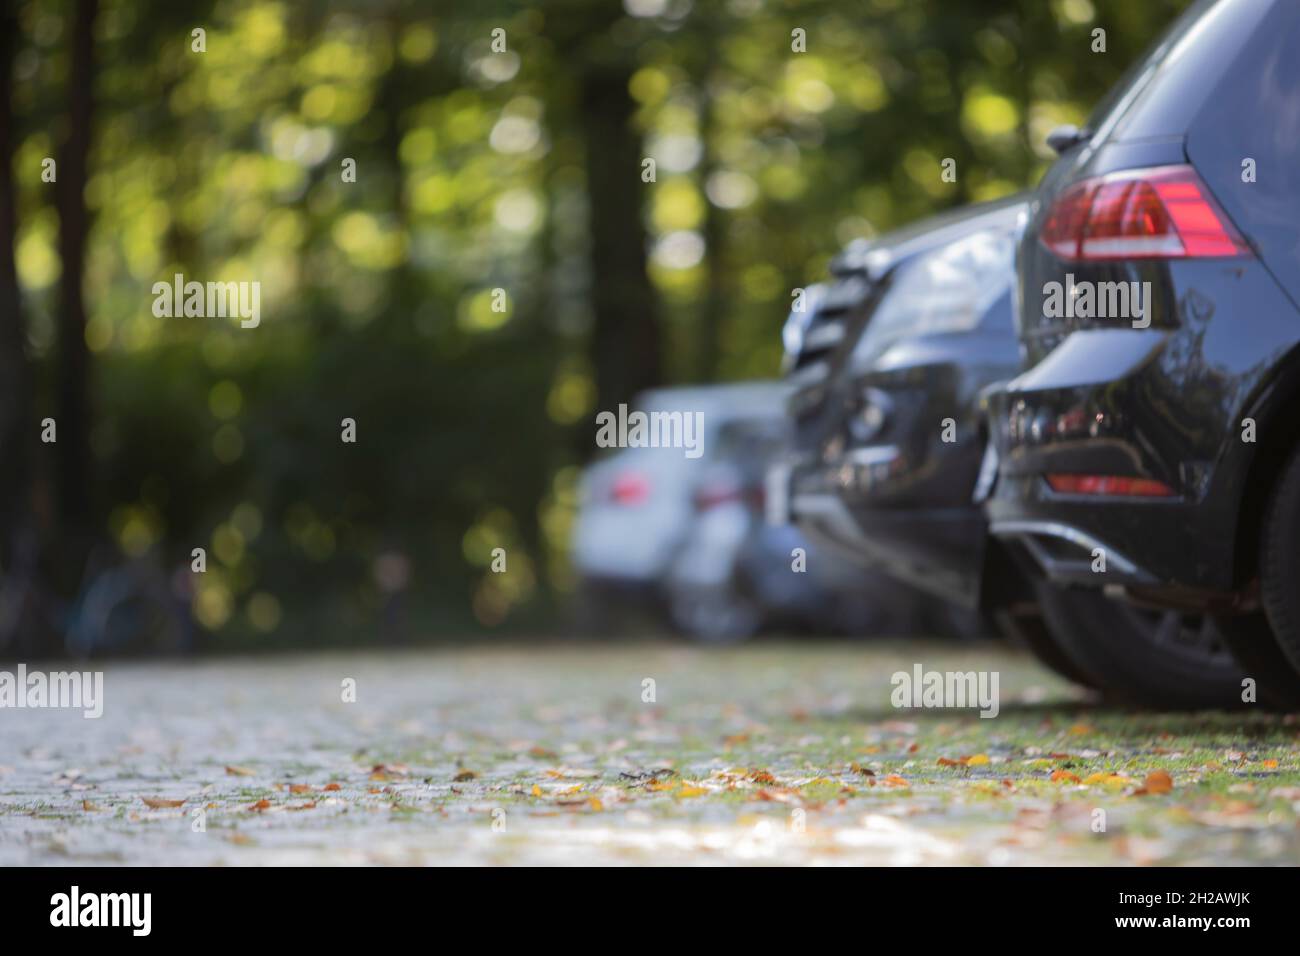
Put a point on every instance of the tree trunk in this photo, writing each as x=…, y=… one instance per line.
x=625, y=348
x=717, y=298
x=17, y=429
x=73, y=417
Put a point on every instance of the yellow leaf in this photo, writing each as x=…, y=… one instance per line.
x=979, y=760
x=1105, y=779
x=690, y=790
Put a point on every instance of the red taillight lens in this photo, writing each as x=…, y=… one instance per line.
x=1160, y=213
x=630, y=488
x=1115, y=485
x=721, y=493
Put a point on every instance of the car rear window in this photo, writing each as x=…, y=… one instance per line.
x=1160, y=94
x=1245, y=142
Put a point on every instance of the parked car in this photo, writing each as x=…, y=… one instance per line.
x=685, y=537
x=888, y=462
x=894, y=459
x=1151, y=452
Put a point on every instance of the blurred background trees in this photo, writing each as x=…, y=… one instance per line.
x=514, y=166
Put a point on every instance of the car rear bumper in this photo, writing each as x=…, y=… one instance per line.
x=1103, y=403
x=939, y=550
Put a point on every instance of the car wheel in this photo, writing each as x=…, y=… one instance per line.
x=1251, y=640
x=714, y=615
x=1161, y=659
x=1279, y=576
x=1031, y=632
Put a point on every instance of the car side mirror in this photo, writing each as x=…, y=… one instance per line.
x=1066, y=137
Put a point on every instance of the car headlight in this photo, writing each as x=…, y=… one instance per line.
x=946, y=290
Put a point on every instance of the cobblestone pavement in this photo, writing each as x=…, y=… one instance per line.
x=772, y=753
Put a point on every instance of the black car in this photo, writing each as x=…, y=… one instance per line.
x=890, y=458
x=1152, y=450
x=887, y=409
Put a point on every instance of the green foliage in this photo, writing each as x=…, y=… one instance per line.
x=471, y=176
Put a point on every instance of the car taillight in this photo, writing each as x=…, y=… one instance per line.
x=629, y=488
x=1115, y=485
x=1164, y=212
x=722, y=493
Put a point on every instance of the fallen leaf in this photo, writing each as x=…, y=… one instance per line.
x=734, y=740
x=690, y=790
x=465, y=775
x=88, y=806
x=572, y=773
x=261, y=805
x=237, y=771
x=1270, y=764
x=1158, y=781
x=762, y=776
x=300, y=788
x=158, y=803
x=1064, y=776
x=978, y=760
x=332, y=786
x=1105, y=779
x=894, y=780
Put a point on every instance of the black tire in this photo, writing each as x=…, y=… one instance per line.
x=1251, y=640
x=1158, y=659
x=1279, y=562
x=1031, y=632
x=714, y=615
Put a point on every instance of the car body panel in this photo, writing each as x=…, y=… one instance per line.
x=1167, y=402
x=875, y=478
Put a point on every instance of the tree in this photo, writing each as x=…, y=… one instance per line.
x=73, y=446
x=16, y=422
x=626, y=347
